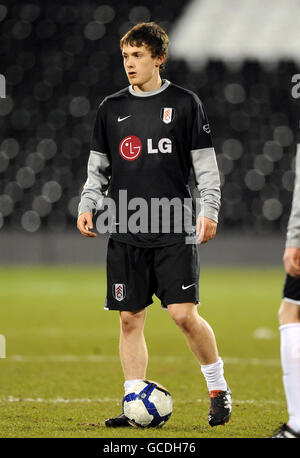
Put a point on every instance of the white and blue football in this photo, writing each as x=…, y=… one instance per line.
x=148, y=404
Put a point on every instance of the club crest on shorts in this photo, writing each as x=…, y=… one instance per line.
x=119, y=291
x=206, y=128
x=167, y=115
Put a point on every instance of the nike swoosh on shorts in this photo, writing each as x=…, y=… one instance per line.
x=188, y=286
x=123, y=119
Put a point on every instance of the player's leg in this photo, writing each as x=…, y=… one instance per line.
x=177, y=268
x=132, y=346
x=201, y=340
x=289, y=312
x=289, y=320
x=133, y=355
x=199, y=335
x=129, y=292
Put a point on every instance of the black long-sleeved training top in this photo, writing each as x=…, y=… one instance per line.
x=146, y=144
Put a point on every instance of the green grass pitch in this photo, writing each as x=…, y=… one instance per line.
x=62, y=375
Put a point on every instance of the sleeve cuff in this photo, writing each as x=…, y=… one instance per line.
x=210, y=213
x=82, y=208
x=293, y=242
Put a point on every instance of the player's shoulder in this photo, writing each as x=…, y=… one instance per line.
x=116, y=96
x=185, y=94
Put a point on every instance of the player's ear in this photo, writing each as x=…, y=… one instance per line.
x=159, y=61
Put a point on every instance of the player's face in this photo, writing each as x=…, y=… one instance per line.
x=139, y=65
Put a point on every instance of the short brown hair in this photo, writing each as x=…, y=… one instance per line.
x=151, y=35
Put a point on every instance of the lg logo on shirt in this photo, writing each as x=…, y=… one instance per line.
x=131, y=147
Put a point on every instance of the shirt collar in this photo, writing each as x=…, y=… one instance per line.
x=164, y=86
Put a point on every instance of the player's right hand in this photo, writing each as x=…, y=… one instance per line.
x=291, y=261
x=85, y=224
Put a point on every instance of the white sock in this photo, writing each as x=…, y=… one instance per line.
x=214, y=376
x=290, y=362
x=130, y=383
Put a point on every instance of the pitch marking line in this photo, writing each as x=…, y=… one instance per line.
x=115, y=358
x=61, y=400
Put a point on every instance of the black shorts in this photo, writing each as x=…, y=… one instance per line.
x=291, y=289
x=134, y=274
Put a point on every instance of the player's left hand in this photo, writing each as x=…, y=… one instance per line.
x=206, y=229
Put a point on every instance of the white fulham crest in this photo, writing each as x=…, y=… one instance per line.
x=167, y=115
x=119, y=291
x=206, y=128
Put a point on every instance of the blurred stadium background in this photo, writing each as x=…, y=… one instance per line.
x=60, y=59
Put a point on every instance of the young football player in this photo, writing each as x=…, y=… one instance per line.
x=147, y=138
x=289, y=316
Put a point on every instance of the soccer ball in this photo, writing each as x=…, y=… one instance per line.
x=148, y=404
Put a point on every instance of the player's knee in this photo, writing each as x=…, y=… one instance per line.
x=131, y=321
x=182, y=316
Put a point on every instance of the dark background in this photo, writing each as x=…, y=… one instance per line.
x=60, y=59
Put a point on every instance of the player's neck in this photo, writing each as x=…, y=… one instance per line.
x=151, y=85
